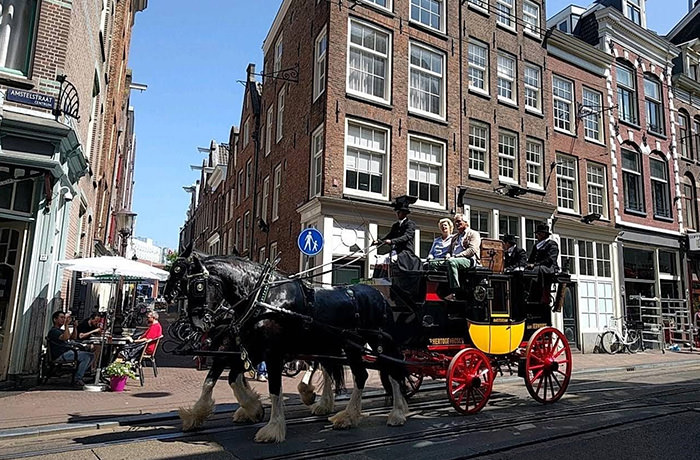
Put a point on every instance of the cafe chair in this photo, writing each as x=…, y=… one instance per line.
x=49, y=368
x=148, y=357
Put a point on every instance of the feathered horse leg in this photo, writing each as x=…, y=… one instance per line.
x=276, y=428
x=194, y=417
x=352, y=414
x=251, y=409
x=327, y=402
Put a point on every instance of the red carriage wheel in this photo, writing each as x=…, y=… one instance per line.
x=547, y=365
x=469, y=381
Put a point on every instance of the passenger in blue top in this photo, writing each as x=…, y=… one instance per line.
x=441, y=245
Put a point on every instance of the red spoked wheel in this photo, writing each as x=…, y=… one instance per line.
x=547, y=365
x=469, y=381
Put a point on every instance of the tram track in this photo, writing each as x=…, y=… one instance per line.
x=430, y=401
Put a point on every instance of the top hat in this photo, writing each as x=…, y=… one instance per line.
x=509, y=239
x=542, y=228
x=402, y=203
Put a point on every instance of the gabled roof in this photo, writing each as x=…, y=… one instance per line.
x=688, y=28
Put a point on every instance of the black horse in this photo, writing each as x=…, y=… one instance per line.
x=214, y=331
x=282, y=319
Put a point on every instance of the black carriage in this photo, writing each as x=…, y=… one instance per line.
x=499, y=322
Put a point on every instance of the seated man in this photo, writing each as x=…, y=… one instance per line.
x=543, y=261
x=515, y=257
x=154, y=331
x=61, y=350
x=89, y=327
x=465, y=248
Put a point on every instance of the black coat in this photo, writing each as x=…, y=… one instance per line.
x=545, y=258
x=402, y=236
x=518, y=259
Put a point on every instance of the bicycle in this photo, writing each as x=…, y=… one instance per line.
x=612, y=341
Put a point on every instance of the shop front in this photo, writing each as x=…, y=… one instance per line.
x=653, y=292
x=41, y=161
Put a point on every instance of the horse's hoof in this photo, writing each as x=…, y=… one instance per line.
x=321, y=409
x=344, y=420
x=271, y=433
x=189, y=421
x=396, y=418
x=306, y=393
x=242, y=415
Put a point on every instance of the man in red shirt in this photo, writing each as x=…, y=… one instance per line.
x=154, y=331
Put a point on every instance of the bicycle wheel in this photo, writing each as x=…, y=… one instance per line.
x=610, y=342
x=634, y=341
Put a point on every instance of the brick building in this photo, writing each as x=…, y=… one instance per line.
x=474, y=107
x=54, y=68
x=686, y=97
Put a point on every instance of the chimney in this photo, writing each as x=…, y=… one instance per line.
x=251, y=71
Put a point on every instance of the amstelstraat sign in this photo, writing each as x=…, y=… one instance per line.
x=30, y=98
x=694, y=241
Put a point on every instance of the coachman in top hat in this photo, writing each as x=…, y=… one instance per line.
x=402, y=235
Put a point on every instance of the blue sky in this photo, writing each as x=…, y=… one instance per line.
x=191, y=58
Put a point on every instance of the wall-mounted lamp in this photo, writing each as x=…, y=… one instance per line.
x=590, y=218
x=511, y=190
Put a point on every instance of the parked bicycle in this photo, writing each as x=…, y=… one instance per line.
x=612, y=341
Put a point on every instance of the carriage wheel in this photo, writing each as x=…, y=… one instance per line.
x=547, y=365
x=469, y=381
x=410, y=385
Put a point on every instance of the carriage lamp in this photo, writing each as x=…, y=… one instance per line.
x=479, y=293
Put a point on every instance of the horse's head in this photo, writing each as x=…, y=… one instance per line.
x=176, y=286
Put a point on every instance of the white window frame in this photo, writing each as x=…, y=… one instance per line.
x=508, y=156
x=479, y=5
x=637, y=176
x=375, y=4
x=241, y=184
x=425, y=168
x=17, y=35
x=248, y=177
x=278, y=55
x=261, y=254
x=475, y=219
x=479, y=149
x=265, y=198
x=664, y=183
x=246, y=230
x=655, y=103
x=632, y=7
x=593, y=116
x=385, y=153
x=440, y=14
x=273, y=250
x=478, y=66
x=277, y=187
x=531, y=19
x=597, y=190
x=630, y=91
x=507, y=78
x=246, y=132
x=423, y=73
x=373, y=53
x=596, y=293
x=280, y=113
x=320, y=61
x=567, y=183
x=268, y=127
x=316, y=177
x=532, y=81
x=562, y=104
x=684, y=145
x=505, y=16
x=238, y=235
x=534, y=158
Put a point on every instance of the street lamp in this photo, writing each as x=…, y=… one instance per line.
x=125, y=225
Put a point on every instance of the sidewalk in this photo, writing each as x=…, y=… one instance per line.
x=178, y=384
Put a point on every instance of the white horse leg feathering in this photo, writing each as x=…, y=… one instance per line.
x=251, y=409
x=352, y=414
x=276, y=428
x=397, y=416
x=194, y=417
x=327, y=402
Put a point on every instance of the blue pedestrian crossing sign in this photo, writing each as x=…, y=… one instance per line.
x=310, y=241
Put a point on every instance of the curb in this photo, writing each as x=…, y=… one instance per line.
x=116, y=421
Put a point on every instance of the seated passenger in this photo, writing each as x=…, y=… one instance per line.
x=464, y=249
x=543, y=262
x=442, y=244
x=515, y=258
x=155, y=330
x=60, y=337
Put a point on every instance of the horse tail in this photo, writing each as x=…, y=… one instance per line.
x=337, y=373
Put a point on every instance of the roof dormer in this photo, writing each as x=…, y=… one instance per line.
x=634, y=10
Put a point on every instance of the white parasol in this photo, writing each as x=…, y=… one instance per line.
x=113, y=265
x=117, y=267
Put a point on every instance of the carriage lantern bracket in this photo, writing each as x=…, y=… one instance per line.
x=68, y=102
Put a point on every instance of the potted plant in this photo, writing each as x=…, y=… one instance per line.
x=118, y=372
